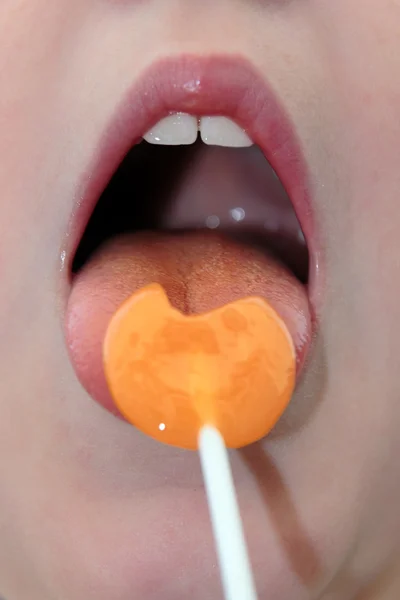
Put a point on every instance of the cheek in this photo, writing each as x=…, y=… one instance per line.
x=363, y=219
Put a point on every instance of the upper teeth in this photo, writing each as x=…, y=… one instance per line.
x=174, y=130
x=181, y=128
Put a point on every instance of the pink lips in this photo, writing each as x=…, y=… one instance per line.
x=217, y=85
x=200, y=86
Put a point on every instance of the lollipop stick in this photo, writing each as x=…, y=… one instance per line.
x=236, y=574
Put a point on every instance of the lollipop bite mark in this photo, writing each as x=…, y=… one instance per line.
x=170, y=374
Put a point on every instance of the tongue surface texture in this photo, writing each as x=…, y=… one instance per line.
x=199, y=271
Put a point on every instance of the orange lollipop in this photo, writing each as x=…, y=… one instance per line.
x=170, y=374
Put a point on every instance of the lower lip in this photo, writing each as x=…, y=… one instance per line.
x=202, y=86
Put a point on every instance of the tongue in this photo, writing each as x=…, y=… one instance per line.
x=199, y=271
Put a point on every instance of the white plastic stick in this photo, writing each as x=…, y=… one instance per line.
x=236, y=573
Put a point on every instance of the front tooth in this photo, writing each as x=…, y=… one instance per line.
x=221, y=131
x=174, y=130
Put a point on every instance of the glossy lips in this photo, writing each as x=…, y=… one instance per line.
x=227, y=86
x=170, y=374
x=217, y=85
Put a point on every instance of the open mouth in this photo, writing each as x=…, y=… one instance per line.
x=212, y=204
x=222, y=187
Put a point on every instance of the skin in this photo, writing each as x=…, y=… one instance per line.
x=89, y=508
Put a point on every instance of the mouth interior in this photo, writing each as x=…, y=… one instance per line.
x=183, y=188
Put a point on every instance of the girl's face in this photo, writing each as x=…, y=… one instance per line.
x=90, y=509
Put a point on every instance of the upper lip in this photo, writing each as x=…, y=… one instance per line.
x=219, y=85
